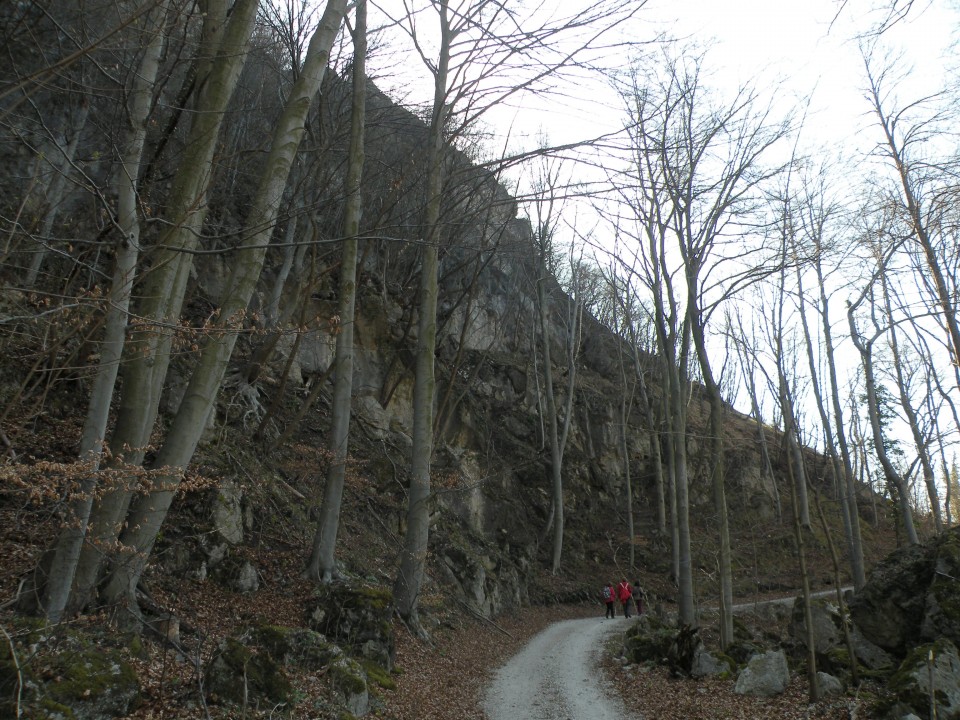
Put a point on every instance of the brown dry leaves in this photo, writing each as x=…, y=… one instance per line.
x=652, y=693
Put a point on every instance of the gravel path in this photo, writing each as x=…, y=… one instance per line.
x=555, y=676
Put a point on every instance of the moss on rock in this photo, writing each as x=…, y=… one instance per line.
x=358, y=615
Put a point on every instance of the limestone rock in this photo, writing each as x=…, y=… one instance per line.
x=829, y=685
x=889, y=608
x=351, y=681
x=86, y=678
x=358, y=616
x=871, y=656
x=705, y=664
x=648, y=640
x=827, y=624
x=942, y=607
x=765, y=675
x=913, y=594
x=235, y=573
x=227, y=512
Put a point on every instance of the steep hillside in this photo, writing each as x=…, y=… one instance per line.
x=232, y=551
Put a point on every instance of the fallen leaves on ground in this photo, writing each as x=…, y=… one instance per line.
x=653, y=693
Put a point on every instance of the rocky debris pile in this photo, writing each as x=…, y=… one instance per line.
x=349, y=642
x=339, y=665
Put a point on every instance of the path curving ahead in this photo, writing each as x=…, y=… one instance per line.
x=556, y=676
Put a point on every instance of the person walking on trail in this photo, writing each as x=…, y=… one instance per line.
x=638, y=597
x=609, y=596
x=625, y=595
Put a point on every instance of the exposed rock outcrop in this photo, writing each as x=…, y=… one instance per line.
x=357, y=617
x=913, y=594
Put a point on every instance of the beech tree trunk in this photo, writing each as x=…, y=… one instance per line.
x=896, y=481
x=149, y=511
x=913, y=421
x=63, y=564
x=848, y=507
x=413, y=558
x=322, y=563
x=850, y=480
x=147, y=351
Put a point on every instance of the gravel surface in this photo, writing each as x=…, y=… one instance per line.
x=557, y=676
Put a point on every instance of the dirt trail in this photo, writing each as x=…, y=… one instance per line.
x=556, y=677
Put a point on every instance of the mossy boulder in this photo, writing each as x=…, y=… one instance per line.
x=648, y=640
x=350, y=680
x=942, y=608
x=912, y=595
x=94, y=682
x=928, y=681
x=251, y=667
x=240, y=675
x=71, y=675
x=357, y=616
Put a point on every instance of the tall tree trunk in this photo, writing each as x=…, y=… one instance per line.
x=805, y=585
x=850, y=488
x=791, y=434
x=624, y=416
x=553, y=435
x=919, y=442
x=695, y=320
x=147, y=351
x=406, y=589
x=148, y=513
x=322, y=562
x=66, y=553
x=848, y=507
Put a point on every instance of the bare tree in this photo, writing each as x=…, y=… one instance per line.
x=60, y=574
x=864, y=345
x=699, y=172
x=926, y=185
x=322, y=562
x=485, y=54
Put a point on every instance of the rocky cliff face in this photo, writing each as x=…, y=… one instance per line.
x=491, y=464
x=492, y=461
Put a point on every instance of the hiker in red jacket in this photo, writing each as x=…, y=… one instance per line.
x=625, y=595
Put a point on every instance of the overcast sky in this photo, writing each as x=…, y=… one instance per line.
x=798, y=48
x=805, y=48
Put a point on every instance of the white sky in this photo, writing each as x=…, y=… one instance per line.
x=793, y=41
x=798, y=48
